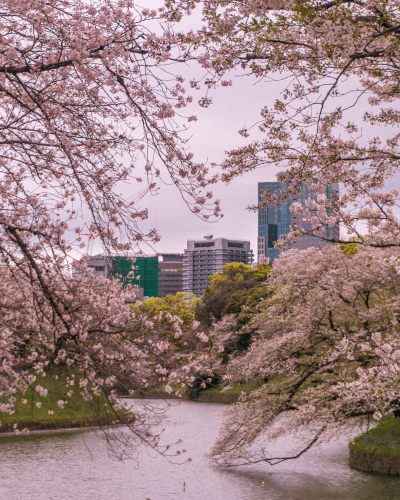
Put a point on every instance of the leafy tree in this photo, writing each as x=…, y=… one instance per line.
x=248, y=302
x=212, y=305
x=182, y=305
x=261, y=272
x=236, y=272
x=350, y=248
x=232, y=272
x=229, y=291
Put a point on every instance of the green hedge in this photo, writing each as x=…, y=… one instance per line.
x=382, y=440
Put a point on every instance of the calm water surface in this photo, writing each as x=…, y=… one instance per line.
x=77, y=467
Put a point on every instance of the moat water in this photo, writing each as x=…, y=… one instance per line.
x=77, y=467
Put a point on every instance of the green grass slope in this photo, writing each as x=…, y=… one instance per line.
x=33, y=411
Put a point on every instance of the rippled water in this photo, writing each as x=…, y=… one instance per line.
x=77, y=466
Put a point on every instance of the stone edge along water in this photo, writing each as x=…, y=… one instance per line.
x=374, y=463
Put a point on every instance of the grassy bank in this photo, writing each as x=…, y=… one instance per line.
x=383, y=440
x=34, y=412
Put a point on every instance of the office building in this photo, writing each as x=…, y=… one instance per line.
x=205, y=257
x=145, y=271
x=274, y=221
x=170, y=274
x=100, y=265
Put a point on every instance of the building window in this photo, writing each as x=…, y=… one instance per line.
x=97, y=268
x=205, y=244
x=272, y=234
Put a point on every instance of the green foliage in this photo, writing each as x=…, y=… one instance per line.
x=383, y=440
x=182, y=305
x=350, y=249
x=236, y=301
x=232, y=300
x=251, y=299
x=261, y=272
x=213, y=303
x=237, y=271
x=232, y=272
x=76, y=413
x=231, y=290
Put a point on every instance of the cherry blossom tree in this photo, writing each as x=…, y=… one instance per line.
x=88, y=103
x=83, y=327
x=327, y=347
x=335, y=119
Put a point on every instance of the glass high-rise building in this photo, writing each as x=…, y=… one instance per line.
x=274, y=221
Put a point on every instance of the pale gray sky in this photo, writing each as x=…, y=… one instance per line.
x=215, y=132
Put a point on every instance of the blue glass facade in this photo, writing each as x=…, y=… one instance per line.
x=274, y=222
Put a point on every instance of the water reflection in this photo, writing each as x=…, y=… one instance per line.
x=77, y=466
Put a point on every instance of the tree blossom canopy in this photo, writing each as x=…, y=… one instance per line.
x=335, y=117
x=327, y=347
x=87, y=103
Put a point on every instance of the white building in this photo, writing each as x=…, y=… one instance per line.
x=205, y=257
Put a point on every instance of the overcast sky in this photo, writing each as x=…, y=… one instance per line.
x=215, y=132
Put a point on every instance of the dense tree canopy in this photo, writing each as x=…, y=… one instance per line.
x=181, y=305
x=328, y=344
x=230, y=290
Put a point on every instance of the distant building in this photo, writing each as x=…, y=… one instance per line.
x=101, y=265
x=170, y=274
x=145, y=274
x=145, y=271
x=274, y=222
x=205, y=257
